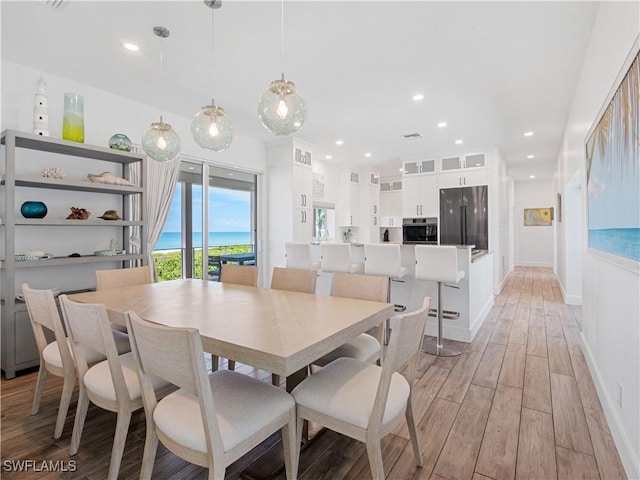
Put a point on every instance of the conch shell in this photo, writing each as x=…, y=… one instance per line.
x=110, y=178
x=78, y=214
x=110, y=215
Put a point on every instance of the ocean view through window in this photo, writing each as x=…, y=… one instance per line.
x=226, y=209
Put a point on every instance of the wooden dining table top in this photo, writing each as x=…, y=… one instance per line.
x=275, y=330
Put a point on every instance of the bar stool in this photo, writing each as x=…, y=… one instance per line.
x=439, y=264
x=299, y=255
x=336, y=257
x=384, y=260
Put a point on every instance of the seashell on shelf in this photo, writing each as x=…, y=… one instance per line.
x=52, y=173
x=109, y=178
x=78, y=214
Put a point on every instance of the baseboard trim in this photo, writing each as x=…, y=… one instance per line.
x=630, y=462
x=534, y=264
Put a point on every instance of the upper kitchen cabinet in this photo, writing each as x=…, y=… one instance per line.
x=417, y=167
x=420, y=196
x=463, y=170
x=348, y=204
x=391, y=204
x=370, y=209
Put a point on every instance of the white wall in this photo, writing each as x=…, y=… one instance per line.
x=533, y=246
x=502, y=259
x=610, y=314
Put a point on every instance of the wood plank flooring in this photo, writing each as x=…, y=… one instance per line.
x=518, y=403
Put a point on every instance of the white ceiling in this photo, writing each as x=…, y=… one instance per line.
x=491, y=70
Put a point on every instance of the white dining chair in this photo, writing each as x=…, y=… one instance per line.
x=237, y=275
x=213, y=419
x=364, y=347
x=293, y=280
x=123, y=277
x=56, y=357
x=364, y=401
x=111, y=384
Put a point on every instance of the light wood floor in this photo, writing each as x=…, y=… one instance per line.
x=518, y=403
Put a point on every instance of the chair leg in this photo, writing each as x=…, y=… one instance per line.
x=65, y=400
x=215, y=363
x=119, y=439
x=231, y=364
x=374, y=452
x=78, y=424
x=291, y=446
x=37, y=395
x=413, y=433
x=150, y=450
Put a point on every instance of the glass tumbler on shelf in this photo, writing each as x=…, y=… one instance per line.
x=73, y=119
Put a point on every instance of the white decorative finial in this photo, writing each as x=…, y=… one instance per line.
x=40, y=110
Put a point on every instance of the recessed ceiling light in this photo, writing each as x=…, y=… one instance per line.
x=532, y=176
x=417, y=97
x=328, y=157
x=192, y=168
x=531, y=156
x=442, y=124
x=339, y=142
x=528, y=134
x=401, y=169
x=230, y=174
x=368, y=154
x=132, y=47
x=458, y=142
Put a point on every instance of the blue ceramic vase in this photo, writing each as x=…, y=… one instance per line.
x=33, y=209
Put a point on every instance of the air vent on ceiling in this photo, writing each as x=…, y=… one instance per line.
x=411, y=136
x=55, y=3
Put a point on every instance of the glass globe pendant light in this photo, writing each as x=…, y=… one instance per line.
x=211, y=127
x=161, y=142
x=281, y=109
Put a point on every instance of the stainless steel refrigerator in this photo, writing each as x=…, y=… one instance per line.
x=464, y=216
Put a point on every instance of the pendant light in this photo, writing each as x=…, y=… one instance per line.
x=161, y=142
x=281, y=109
x=211, y=127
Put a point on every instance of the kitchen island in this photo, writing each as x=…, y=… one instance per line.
x=472, y=296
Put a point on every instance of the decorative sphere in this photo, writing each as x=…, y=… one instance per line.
x=161, y=142
x=281, y=109
x=33, y=209
x=120, y=141
x=212, y=128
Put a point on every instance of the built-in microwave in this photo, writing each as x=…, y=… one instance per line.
x=420, y=230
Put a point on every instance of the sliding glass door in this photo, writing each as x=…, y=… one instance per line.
x=225, y=209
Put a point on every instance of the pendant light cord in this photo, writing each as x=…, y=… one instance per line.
x=282, y=36
x=161, y=72
x=213, y=76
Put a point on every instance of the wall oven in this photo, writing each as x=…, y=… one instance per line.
x=420, y=230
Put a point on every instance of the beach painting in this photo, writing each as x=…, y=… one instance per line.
x=613, y=172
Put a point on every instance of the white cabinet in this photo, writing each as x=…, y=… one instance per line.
x=420, y=196
x=25, y=155
x=391, y=208
x=289, y=197
x=416, y=167
x=348, y=204
x=463, y=170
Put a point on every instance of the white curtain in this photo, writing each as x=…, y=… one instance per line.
x=161, y=179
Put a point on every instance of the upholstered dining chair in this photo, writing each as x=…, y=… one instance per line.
x=111, y=384
x=238, y=275
x=123, y=277
x=56, y=357
x=213, y=419
x=293, y=280
x=364, y=401
x=364, y=347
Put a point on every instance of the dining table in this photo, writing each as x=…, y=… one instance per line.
x=275, y=330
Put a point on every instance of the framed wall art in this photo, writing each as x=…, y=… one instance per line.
x=538, y=217
x=613, y=172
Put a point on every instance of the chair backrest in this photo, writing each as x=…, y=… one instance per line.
x=294, y=280
x=298, y=255
x=336, y=257
x=437, y=263
x=239, y=274
x=175, y=355
x=403, y=349
x=43, y=312
x=358, y=286
x=88, y=326
x=382, y=259
x=123, y=277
